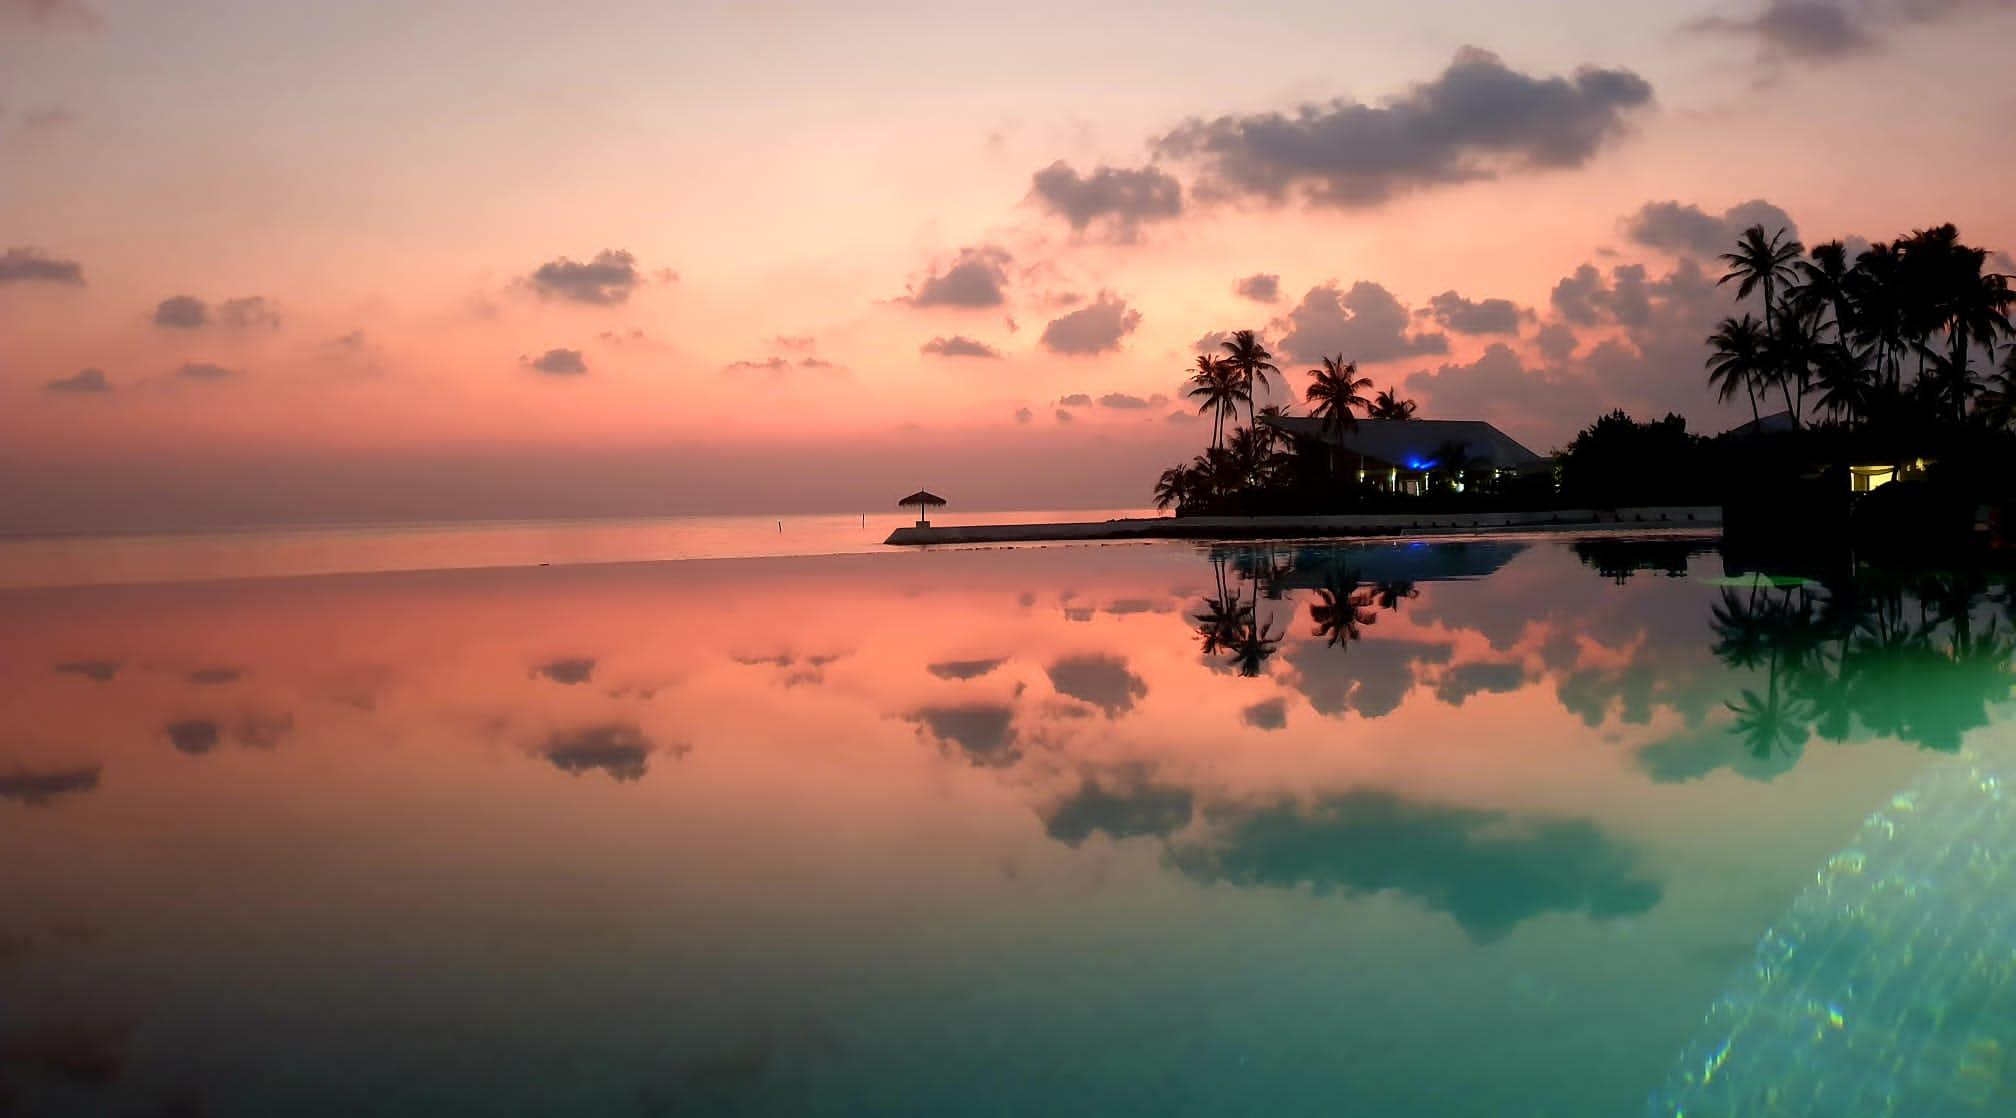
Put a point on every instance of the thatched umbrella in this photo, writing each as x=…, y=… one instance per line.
x=923, y=499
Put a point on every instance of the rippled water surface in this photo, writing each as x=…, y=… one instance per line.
x=1501, y=826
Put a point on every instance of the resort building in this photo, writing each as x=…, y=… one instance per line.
x=1407, y=455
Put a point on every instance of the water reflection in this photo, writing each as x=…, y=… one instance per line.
x=905, y=834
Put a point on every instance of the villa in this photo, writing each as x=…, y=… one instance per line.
x=1402, y=455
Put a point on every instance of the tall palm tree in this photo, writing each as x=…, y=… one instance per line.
x=1217, y=388
x=1736, y=359
x=1251, y=362
x=1789, y=355
x=1876, y=287
x=1389, y=405
x=1334, y=395
x=1763, y=260
x=1822, y=290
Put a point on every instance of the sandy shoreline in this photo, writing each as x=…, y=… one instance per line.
x=1341, y=526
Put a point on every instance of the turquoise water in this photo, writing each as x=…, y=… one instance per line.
x=1547, y=825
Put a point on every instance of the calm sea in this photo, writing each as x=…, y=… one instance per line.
x=347, y=549
x=1565, y=826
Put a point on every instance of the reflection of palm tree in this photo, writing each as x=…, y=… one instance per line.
x=1254, y=642
x=1771, y=723
x=1742, y=634
x=1340, y=611
x=1395, y=591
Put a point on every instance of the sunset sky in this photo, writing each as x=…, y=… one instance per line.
x=359, y=260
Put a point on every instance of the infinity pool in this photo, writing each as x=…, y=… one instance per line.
x=1546, y=825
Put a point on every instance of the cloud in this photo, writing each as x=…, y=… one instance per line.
x=1024, y=415
x=1136, y=808
x=39, y=788
x=83, y=380
x=1122, y=402
x=1096, y=327
x=1075, y=400
x=964, y=669
x=958, y=345
x=1808, y=30
x=617, y=748
x=568, y=670
x=1556, y=341
x=1101, y=680
x=1261, y=287
x=976, y=278
x=28, y=264
x=1065, y=416
x=1478, y=119
x=213, y=677
x=203, y=371
x=605, y=281
x=802, y=343
x=1500, y=387
x=1687, y=230
x=1488, y=316
x=248, y=312
x=49, y=12
x=182, y=312
x=984, y=732
x=776, y=366
x=1486, y=870
x=557, y=362
x=1366, y=324
x=1271, y=714
x=1119, y=198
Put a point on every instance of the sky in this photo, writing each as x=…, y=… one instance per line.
x=307, y=261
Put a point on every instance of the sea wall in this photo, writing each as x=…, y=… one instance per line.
x=1280, y=527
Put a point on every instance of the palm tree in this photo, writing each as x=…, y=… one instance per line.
x=1997, y=403
x=1876, y=288
x=1334, y=395
x=1174, y=487
x=1217, y=388
x=1389, y=405
x=1737, y=359
x=1250, y=362
x=1789, y=354
x=1823, y=289
x=1761, y=260
x=1766, y=261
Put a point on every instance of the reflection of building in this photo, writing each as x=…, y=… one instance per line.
x=1400, y=561
x=1405, y=455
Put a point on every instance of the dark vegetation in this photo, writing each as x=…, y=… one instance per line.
x=1898, y=355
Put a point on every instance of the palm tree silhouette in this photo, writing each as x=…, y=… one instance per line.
x=1764, y=260
x=1214, y=384
x=1389, y=405
x=1736, y=360
x=1334, y=395
x=1252, y=363
x=1173, y=487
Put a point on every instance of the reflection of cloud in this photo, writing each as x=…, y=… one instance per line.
x=197, y=736
x=1487, y=870
x=1698, y=751
x=1136, y=808
x=617, y=748
x=1464, y=680
x=1269, y=715
x=37, y=789
x=964, y=669
x=194, y=735
x=983, y=731
x=1370, y=677
x=796, y=669
x=100, y=671
x=212, y=677
x=1101, y=680
x=569, y=670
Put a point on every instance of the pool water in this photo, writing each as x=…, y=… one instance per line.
x=1525, y=825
